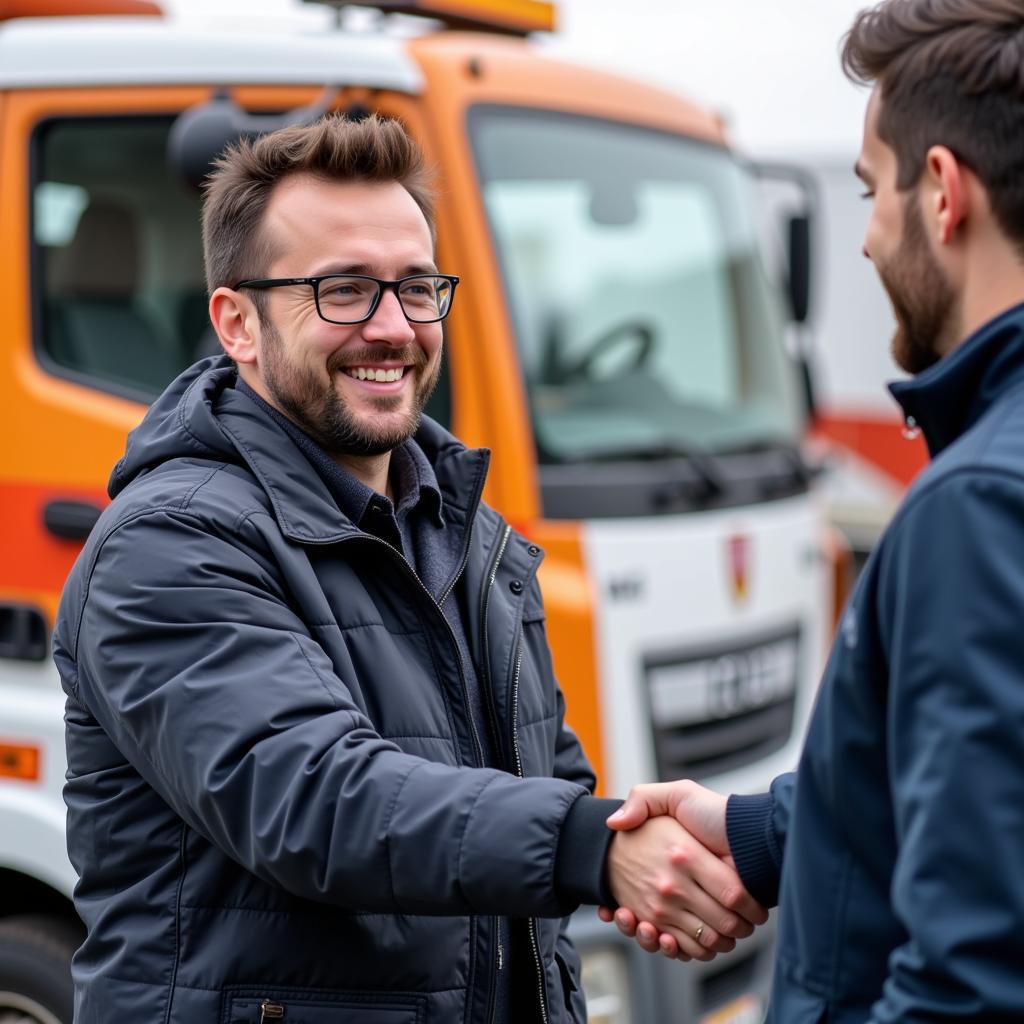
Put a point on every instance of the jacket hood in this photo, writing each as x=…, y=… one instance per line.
x=181, y=423
x=201, y=416
x=954, y=393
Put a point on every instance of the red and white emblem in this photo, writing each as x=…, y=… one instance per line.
x=739, y=566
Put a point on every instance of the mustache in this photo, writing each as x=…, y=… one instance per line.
x=411, y=355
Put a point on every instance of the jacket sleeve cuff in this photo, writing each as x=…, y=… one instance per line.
x=748, y=824
x=580, y=875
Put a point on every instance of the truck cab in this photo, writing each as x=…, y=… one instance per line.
x=618, y=345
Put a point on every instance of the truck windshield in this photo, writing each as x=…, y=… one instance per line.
x=645, y=322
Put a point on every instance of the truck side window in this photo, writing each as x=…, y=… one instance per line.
x=119, y=293
x=120, y=300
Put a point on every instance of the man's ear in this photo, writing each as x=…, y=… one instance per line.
x=946, y=193
x=236, y=322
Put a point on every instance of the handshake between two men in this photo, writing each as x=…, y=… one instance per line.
x=672, y=876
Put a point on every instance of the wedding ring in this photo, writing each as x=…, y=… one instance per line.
x=698, y=933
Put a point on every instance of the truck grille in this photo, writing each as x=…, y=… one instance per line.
x=716, y=709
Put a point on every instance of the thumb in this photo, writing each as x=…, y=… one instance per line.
x=642, y=803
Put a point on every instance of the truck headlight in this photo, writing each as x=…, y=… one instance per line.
x=606, y=986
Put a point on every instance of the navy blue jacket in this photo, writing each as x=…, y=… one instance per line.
x=901, y=836
x=275, y=793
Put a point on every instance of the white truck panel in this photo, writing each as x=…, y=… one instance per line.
x=50, y=53
x=670, y=594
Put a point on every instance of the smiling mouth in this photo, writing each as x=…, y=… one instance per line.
x=371, y=373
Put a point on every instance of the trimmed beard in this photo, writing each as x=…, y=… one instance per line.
x=923, y=301
x=317, y=407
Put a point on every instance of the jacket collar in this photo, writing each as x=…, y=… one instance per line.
x=201, y=415
x=952, y=395
x=303, y=506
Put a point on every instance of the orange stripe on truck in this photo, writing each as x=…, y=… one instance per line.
x=877, y=439
x=569, y=605
x=31, y=559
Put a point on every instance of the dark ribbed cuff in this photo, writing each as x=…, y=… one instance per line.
x=747, y=823
x=580, y=875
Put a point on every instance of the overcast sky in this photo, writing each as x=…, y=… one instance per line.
x=770, y=66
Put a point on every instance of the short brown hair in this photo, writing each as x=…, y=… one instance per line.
x=951, y=73
x=335, y=148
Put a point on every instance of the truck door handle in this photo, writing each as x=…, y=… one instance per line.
x=22, y=633
x=71, y=520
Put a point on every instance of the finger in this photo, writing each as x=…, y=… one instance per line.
x=688, y=946
x=723, y=884
x=721, y=901
x=632, y=814
x=670, y=948
x=693, y=934
x=626, y=922
x=728, y=892
x=647, y=936
x=706, y=936
x=643, y=802
x=710, y=939
x=606, y=914
x=717, y=919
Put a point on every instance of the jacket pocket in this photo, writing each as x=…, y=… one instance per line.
x=303, y=1006
x=572, y=995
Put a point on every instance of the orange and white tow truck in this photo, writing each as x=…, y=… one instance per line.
x=617, y=344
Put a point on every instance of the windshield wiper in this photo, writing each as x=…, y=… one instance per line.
x=789, y=449
x=799, y=469
x=705, y=485
x=637, y=453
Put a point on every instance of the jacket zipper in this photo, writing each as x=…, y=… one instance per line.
x=532, y=923
x=407, y=566
x=271, y=1011
x=485, y=660
x=462, y=678
x=498, y=963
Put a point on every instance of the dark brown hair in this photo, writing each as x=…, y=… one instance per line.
x=951, y=73
x=335, y=148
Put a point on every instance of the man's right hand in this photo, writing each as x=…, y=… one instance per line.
x=662, y=903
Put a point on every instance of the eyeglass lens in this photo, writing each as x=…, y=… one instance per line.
x=350, y=299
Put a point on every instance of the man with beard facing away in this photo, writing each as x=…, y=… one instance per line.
x=317, y=764
x=899, y=841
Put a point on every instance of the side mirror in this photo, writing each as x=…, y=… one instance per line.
x=201, y=133
x=806, y=372
x=799, y=270
x=799, y=228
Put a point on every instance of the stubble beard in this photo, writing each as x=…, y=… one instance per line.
x=923, y=301
x=317, y=406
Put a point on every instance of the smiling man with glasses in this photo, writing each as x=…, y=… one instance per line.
x=318, y=765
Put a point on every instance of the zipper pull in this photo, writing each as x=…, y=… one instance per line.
x=501, y=957
x=911, y=431
x=270, y=1011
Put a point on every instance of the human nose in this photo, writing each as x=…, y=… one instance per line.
x=389, y=323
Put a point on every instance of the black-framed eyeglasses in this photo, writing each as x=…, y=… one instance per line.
x=354, y=298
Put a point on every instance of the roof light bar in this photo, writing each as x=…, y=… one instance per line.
x=76, y=8
x=510, y=17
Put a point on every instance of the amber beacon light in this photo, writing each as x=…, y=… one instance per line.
x=511, y=17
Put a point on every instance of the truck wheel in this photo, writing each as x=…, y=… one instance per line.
x=35, y=969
